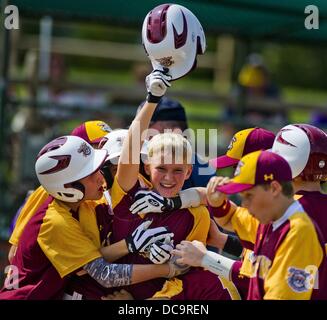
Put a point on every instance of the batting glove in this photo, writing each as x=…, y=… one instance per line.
x=159, y=252
x=142, y=237
x=149, y=201
x=176, y=269
x=157, y=83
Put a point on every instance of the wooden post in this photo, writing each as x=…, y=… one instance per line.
x=224, y=63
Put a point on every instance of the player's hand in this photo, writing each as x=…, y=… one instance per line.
x=142, y=237
x=175, y=269
x=214, y=197
x=190, y=253
x=160, y=251
x=149, y=201
x=157, y=83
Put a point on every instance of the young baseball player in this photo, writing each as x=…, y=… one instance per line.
x=167, y=176
x=92, y=132
x=289, y=260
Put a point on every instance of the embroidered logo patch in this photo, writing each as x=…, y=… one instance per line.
x=84, y=149
x=298, y=279
x=238, y=168
x=104, y=127
x=230, y=146
x=166, y=61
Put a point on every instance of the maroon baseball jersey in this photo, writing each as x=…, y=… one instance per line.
x=186, y=224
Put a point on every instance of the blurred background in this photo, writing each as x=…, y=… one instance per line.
x=72, y=61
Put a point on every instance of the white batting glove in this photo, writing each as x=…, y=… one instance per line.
x=149, y=201
x=157, y=83
x=159, y=252
x=142, y=237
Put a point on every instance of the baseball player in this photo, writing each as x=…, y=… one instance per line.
x=92, y=132
x=288, y=251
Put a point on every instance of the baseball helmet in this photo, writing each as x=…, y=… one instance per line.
x=113, y=143
x=172, y=37
x=305, y=148
x=64, y=161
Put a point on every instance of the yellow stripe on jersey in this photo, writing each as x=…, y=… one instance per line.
x=63, y=241
x=117, y=193
x=171, y=288
x=299, y=255
x=297, y=196
x=34, y=201
x=246, y=268
x=201, y=224
x=245, y=225
x=231, y=288
x=88, y=220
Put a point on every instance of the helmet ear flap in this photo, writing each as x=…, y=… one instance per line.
x=79, y=186
x=75, y=190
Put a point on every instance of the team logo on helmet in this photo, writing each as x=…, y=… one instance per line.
x=166, y=61
x=84, y=149
x=282, y=140
x=298, y=279
x=230, y=146
x=104, y=127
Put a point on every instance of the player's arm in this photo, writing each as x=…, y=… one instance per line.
x=129, y=161
x=195, y=254
x=221, y=208
x=229, y=243
x=146, y=201
x=116, y=275
x=228, y=215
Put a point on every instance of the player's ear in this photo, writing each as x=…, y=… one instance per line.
x=276, y=187
x=189, y=171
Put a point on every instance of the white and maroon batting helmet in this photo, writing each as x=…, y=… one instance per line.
x=64, y=161
x=172, y=37
x=305, y=149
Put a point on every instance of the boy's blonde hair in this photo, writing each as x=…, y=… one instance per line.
x=174, y=147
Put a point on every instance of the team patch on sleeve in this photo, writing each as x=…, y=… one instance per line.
x=299, y=280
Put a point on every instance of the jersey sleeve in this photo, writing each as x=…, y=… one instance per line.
x=245, y=225
x=201, y=224
x=117, y=193
x=292, y=275
x=33, y=202
x=64, y=243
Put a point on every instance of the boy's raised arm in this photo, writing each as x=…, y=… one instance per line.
x=128, y=167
